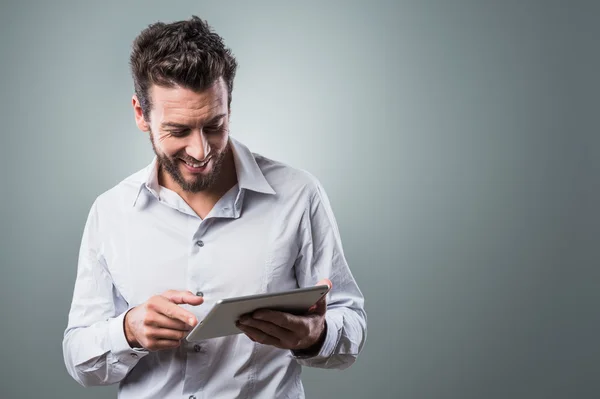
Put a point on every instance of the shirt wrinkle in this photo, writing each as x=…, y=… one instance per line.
x=245, y=245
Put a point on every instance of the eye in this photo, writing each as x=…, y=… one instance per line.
x=213, y=129
x=178, y=133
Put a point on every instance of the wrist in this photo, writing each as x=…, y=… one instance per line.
x=129, y=336
x=319, y=344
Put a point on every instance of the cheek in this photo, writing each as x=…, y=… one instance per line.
x=220, y=142
x=171, y=147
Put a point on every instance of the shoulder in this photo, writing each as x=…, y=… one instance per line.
x=119, y=198
x=297, y=187
x=286, y=179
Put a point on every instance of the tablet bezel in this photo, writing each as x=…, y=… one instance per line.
x=304, y=298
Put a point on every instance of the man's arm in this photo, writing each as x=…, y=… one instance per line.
x=334, y=332
x=322, y=256
x=95, y=349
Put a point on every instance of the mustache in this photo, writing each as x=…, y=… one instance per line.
x=216, y=154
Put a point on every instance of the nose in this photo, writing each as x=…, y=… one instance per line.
x=197, y=146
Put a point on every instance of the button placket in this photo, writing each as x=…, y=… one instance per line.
x=199, y=258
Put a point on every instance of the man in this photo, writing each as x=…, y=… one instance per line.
x=206, y=219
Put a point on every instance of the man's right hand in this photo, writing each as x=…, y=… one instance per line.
x=159, y=323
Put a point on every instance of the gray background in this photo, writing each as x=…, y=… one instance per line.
x=458, y=141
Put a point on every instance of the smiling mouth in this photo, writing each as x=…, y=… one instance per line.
x=197, y=165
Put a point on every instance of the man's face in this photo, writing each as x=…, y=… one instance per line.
x=189, y=132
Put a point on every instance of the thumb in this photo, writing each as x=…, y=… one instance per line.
x=183, y=297
x=325, y=281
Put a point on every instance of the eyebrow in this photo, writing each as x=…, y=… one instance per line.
x=182, y=126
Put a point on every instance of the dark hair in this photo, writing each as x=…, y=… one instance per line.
x=185, y=53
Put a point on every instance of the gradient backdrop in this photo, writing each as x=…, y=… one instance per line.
x=458, y=141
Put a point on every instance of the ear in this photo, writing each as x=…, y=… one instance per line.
x=139, y=115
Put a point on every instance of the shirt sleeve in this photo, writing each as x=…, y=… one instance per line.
x=95, y=349
x=322, y=256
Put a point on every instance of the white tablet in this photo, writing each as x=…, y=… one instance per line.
x=220, y=320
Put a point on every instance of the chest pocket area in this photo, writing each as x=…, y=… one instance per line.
x=284, y=248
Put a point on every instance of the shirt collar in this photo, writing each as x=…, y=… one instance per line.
x=249, y=175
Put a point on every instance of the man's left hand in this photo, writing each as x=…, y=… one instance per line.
x=288, y=331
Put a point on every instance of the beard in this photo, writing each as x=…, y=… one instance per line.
x=199, y=182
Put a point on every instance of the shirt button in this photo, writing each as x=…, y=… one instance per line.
x=192, y=397
x=199, y=293
x=197, y=348
x=199, y=243
x=134, y=355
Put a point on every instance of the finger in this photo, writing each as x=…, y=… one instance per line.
x=257, y=335
x=268, y=328
x=164, y=306
x=320, y=307
x=284, y=320
x=325, y=281
x=163, y=344
x=160, y=320
x=183, y=297
x=166, y=334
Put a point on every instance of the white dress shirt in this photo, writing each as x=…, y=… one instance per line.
x=274, y=230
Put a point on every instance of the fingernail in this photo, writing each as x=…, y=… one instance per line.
x=191, y=321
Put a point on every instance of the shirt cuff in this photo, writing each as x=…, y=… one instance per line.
x=120, y=349
x=334, y=323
